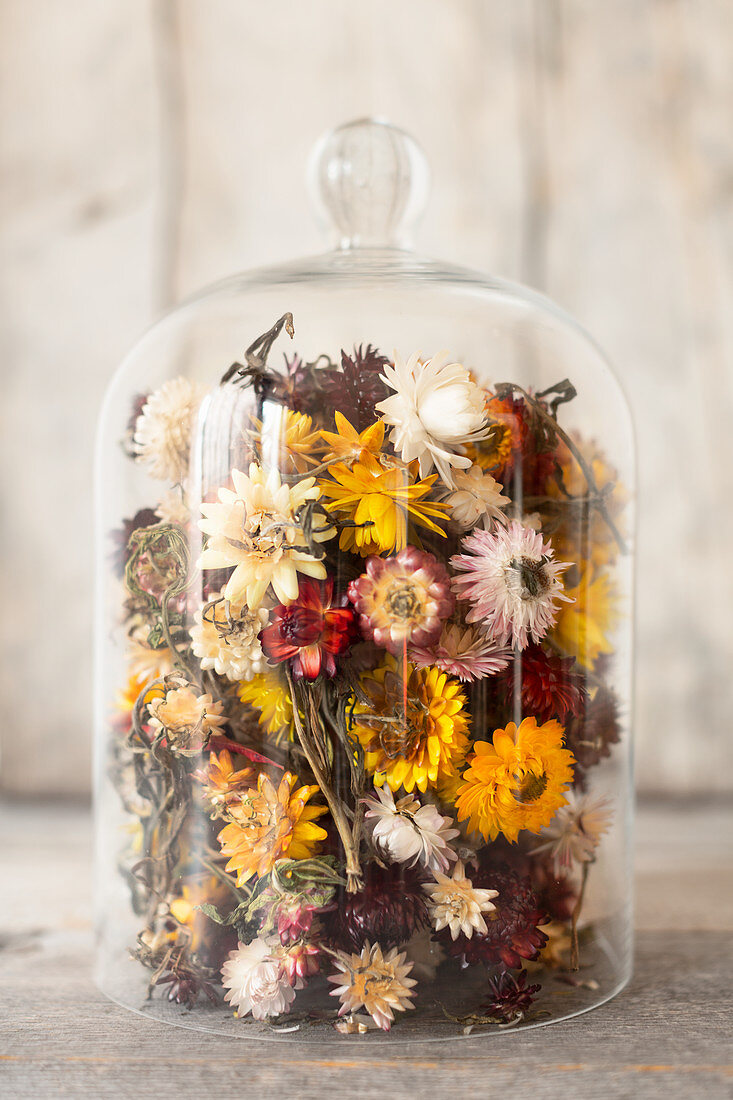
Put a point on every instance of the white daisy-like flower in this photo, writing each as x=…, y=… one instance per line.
x=455, y=904
x=574, y=832
x=225, y=637
x=463, y=651
x=374, y=981
x=162, y=436
x=512, y=581
x=256, y=528
x=173, y=508
x=477, y=499
x=435, y=409
x=407, y=832
x=256, y=981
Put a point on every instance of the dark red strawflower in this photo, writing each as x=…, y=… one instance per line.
x=550, y=686
x=120, y=556
x=310, y=632
x=509, y=996
x=357, y=387
x=389, y=909
x=512, y=933
x=299, y=386
x=591, y=735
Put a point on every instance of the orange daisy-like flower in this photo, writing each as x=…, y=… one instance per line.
x=347, y=444
x=376, y=503
x=221, y=781
x=269, y=823
x=517, y=782
x=414, y=732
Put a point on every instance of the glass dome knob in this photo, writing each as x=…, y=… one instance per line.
x=369, y=182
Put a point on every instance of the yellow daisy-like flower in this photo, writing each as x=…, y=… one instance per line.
x=414, y=732
x=492, y=452
x=270, y=823
x=269, y=694
x=377, y=503
x=185, y=911
x=516, y=782
x=582, y=627
x=286, y=440
x=347, y=444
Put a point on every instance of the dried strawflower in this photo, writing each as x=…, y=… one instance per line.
x=357, y=386
x=374, y=504
x=269, y=822
x=414, y=731
x=347, y=444
x=591, y=735
x=515, y=781
x=311, y=631
x=403, y=599
x=404, y=831
x=221, y=781
x=389, y=908
x=173, y=508
x=456, y=904
x=476, y=499
x=574, y=832
x=462, y=651
x=144, y=661
x=583, y=626
x=512, y=933
x=286, y=441
x=257, y=527
x=549, y=686
x=374, y=981
x=162, y=436
x=509, y=996
x=435, y=409
x=256, y=980
x=512, y=582
x=269, y=694
x=186, y=719
x=299, y=961
x=225, y=637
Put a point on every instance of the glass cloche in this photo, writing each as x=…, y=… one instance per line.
x=364, y=645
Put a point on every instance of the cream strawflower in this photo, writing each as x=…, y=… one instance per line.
x=144, y=662
x=226, y=639
x=435, y=409
x=374, y=981
x=407, y=832
x=477, y=498
x=257, y=528
x=256, y=981
x=162, y=435
x=173, y=508
x=186, y=719
x=512, y=581
x=454, y=903
x=574, y=832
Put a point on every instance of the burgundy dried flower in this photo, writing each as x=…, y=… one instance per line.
x=403, y=599
x=550, y=686
x=310, y=632
x=591, y=735
x=388, y=910
x=512, y=933
x=357, y=387
x=509, y=996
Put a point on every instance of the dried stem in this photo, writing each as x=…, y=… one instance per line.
x=574, y=964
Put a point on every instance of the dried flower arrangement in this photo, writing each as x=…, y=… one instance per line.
x=365, y=716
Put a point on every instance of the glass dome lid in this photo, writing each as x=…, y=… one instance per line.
x=363, y=676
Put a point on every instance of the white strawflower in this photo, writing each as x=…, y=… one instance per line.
x=477, y=498
x=406, y=832
x=512, y=581
x=225, y=637
x=454, y=903
x=435, y=409
x=162, y=437
x=574, y=832
x=256, y=527
x=256, y=981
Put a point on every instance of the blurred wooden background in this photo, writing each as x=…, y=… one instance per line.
x=149, y=146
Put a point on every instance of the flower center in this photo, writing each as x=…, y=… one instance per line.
x=530, y=786
x=403, y=601
x=529, y=576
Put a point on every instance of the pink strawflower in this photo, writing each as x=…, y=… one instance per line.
x=403, y=599
x=463, y=651
x=511, y=581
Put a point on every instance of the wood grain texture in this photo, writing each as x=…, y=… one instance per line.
x=666, y=1036
x=149, y=146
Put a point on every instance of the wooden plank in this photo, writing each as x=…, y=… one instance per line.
x=667, y=1036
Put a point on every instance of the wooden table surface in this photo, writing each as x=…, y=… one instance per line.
x=668, y=1035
